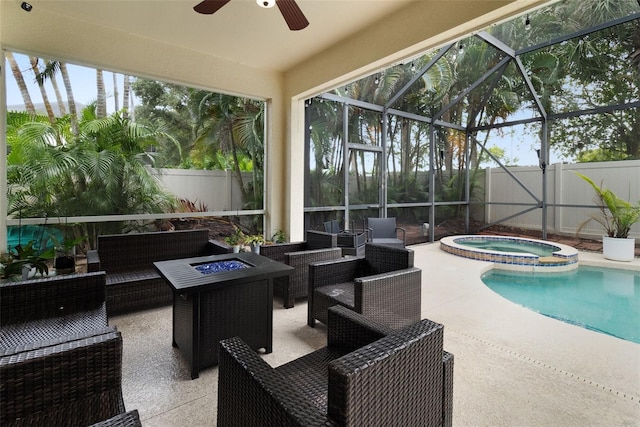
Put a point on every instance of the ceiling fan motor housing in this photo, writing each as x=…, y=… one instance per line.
x=266, y=3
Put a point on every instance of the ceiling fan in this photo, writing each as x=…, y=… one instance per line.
x=290, y=11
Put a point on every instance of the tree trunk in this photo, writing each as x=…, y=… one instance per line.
x=56, y=90
x=101, y=103
x=17, y=75
x=43, y=92
x=73, y=111
x=115, y=92
x=126, y=90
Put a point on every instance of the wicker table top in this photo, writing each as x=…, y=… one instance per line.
x=182, y=275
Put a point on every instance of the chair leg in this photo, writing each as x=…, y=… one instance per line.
x=289, y=302
x=286, y=296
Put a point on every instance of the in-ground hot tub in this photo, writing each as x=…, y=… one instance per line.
x=513, y=253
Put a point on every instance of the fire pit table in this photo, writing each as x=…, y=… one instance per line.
x=221, y=296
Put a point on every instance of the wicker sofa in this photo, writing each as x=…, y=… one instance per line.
x=60, y=364
x=367, y=375
x=132, y=281
x=383, y=286
x=317, y=246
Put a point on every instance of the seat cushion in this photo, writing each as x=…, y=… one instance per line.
x=330, y=295
x=25, y=333
x=396, y=243
x=341, y=293
x=310, y=373
x=132, y=275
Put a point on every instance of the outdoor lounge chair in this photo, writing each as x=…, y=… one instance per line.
x=332, y=226
x=318, y=246
x=384, y=231
x=367, y=375
x=60, y=364
x=383, y=286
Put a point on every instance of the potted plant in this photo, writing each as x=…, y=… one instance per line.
x=18, y=263
x=279, y=237
x=235, y=239
x=616, y=217
x=255, y=241
x=64, y=260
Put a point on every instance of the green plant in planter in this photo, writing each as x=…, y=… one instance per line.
x=616, y=215
x=236, y=238
x=279, y=237
x=255, y=241
x=64, y=254
x=12, y=263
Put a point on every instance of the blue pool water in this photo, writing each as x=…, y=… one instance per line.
x=504, y=245
x=601, y=299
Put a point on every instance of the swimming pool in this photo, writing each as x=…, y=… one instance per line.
x=513, y=253
x=605, y=300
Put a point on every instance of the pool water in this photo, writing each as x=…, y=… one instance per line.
x=601, y=299
x=506, y=246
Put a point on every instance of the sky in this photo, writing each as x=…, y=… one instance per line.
x=83, y=80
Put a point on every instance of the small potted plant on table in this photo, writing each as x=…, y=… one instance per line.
x=255, y=241
x=616, y=216
x=65, y=255
x=235, y=239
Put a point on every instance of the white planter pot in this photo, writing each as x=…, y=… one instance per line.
x=617, y=249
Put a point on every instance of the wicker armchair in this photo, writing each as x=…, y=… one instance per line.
x=350, y=241
x=128, y=419
x=367, y=375
x=384, y=231
x=318, y=246
x=60, y=364
x=383, y=286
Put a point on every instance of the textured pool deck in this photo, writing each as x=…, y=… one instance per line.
x=513, y=367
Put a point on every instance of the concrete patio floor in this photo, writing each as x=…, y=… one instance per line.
x=513, y=367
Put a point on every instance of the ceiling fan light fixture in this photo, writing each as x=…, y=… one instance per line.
x=266, y=3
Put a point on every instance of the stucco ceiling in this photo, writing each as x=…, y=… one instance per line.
x=240, y=32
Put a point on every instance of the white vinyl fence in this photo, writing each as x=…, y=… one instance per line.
x=564, y=188
x=216, y=190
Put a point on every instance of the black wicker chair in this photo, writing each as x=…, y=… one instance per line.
x=128, y=419
x=384, y=286
x=367, y=375
x=350, y=241
x=318, y=246
x=60, y=364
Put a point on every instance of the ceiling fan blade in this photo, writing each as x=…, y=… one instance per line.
x=210, y=6
x=292, y=14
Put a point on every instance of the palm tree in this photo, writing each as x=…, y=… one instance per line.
x=104, y=171
x=70, y=99
x=126, y=92
x=49, y=74
x=17, y=75
x=234, y=126
x=45, y=98
x=101, y=103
